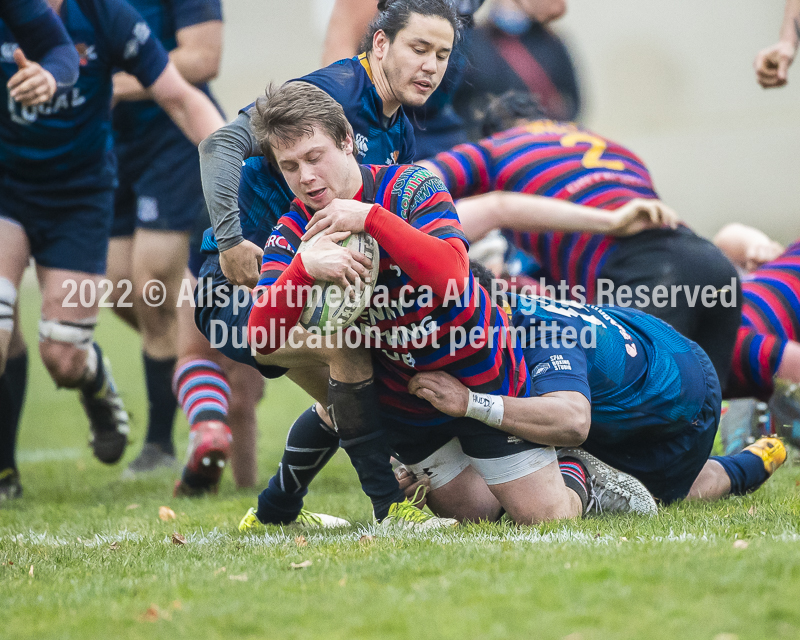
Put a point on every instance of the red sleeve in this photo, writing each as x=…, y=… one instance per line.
x=427, y=260
x=278, y=308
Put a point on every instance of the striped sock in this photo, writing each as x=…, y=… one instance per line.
x=575, y=478
x=202, y=391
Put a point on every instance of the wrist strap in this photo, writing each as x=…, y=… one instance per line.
x=486, y=408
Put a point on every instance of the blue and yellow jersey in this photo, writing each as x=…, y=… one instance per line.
x=68, y=140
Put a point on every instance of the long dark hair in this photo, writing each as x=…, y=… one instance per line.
x=505, y=111
x=394, y=15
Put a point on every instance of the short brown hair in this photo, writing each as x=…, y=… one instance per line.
x=292, y=111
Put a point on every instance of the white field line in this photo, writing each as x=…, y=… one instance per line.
x=49, y=455
x=216, y=538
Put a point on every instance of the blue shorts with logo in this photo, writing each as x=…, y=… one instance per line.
x=669, y=463
x=68, y=228
x=222, y=312
x=159, y=185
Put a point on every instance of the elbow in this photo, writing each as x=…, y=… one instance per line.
x=208, y=69
x=577, y=428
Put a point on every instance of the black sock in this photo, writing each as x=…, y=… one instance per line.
x=309, y=446
x=355, y=412
x=574, y=474
x=161, y=401
x=12, y=396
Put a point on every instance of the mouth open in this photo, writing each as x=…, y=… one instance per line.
x=423, y=85
x=314, y=195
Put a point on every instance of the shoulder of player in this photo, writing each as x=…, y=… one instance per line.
x=343, y=80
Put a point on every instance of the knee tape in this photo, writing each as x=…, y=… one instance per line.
x=8, y=298
x=80, y=333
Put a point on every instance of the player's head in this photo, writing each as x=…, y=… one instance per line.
x=512, y=109
x=306, y=136
x=412, y=40
x=516, y=16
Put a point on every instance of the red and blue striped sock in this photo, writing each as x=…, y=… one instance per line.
x=575, y=478
x=202, y=391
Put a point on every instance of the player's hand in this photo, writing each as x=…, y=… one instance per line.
x=410, y=484
x=241, y=264
x=339, y=215
x=442, y=390
x=640, y=214
x=759, y=253
x=772, y=64
x=32, y=84
x=327, y=261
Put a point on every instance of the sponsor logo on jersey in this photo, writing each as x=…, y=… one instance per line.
x=362, y=144
x=631, y=349
x=560, y=363
x=141, y=32
x=28, y=115
x=413, y=187
x=514, y=440
x=277, y=240
x=85, y=53
x=539, y=369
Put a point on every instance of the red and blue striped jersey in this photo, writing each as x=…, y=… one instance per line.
x=418, y=330
x=559, y=160
x=770, y=318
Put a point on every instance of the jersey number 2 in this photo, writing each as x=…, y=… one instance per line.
x=591, y=159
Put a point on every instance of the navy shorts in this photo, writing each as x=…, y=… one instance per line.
x=223, y=320
x=668, y=467
x=67, y=228
x=412, y=444
x=159, y=186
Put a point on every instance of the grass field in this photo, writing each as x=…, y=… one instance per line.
x=84, y=554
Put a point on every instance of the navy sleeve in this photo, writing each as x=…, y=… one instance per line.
x=557, y=368
x=190, y=12
x=43, y=38
x=133, y=47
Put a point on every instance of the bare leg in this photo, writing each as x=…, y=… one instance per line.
x=712, y=483
x=467, y=498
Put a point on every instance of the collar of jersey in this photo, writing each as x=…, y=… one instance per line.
x=362, y=58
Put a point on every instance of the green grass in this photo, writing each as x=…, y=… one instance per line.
x=679, y=575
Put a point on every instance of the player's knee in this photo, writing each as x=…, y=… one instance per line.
x=8, y=298
x=63, y=347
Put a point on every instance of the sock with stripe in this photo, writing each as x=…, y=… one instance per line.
x=13, y=383
x=202, y=391
x=575, y=477
x=309, y=446
x=745, y=470
x=161, y=402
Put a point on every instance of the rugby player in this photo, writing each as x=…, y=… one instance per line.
x=45, y=55
x=766, y=360
x=621, y=384
x=58, y=176
x=423, y=257
x=560, y=160
x=409, y=46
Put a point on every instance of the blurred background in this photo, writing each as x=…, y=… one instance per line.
x=673, y=81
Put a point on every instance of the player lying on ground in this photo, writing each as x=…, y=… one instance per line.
x=618, y=382
x=766, y=360
x=408, y=51
x=561, y=160
x=58, y=186
x=422, y=262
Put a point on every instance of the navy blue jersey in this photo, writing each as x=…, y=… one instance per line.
x=134, y=121
x=636, y=370
x=68, y=139
x=42, y=38
x=264, y=196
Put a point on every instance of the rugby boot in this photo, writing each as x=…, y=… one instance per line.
x=108, y=421
x=10, y=487
x=306, y=519
x=209, y=449
x=406, y=515
x=784, y=408
x=610, y=490
x=743, y=421
x=772, y=453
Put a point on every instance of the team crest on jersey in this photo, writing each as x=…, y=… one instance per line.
x=540, y=369
x=362, y=145
x=413, y=187
x=141, y=32
x=86, y=54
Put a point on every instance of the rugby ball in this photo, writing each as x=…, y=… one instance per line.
x=329, y=308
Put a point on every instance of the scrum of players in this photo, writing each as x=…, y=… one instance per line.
x=444, y=139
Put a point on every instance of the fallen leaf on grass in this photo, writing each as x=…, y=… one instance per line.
x=113, y=546
x=623, y=538
x=342, y=582
x=302, y=565
x=165, y=513
x=726, y=636
x=151, y=615
x=301, y=541
x=752, y=510
x=30, y=573
x=10, y=562
x=366, y=539
x=741, y=544
x=130, y=507
x=220, y=570
x=241, y=578
x=176, y=604
x=178, y=539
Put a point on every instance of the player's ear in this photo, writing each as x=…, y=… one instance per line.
x=347, y=145
x=380, y=44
